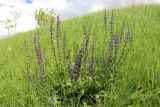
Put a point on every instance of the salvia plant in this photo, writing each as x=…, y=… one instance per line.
x=79, y=75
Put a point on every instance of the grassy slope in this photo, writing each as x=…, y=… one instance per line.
x=141, y=69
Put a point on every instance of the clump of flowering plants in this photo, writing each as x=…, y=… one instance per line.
x=80, y=74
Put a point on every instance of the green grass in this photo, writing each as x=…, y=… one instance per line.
x=139, y=77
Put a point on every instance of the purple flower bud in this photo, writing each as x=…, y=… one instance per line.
x=39, y=56
x=116, y=40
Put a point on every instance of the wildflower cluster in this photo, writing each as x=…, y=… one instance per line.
x=43, y=16
x=78, y=73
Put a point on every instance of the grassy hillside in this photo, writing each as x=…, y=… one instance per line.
x=135, y=84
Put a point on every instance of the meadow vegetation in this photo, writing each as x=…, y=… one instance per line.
x=11, y=23
x=103, y=59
